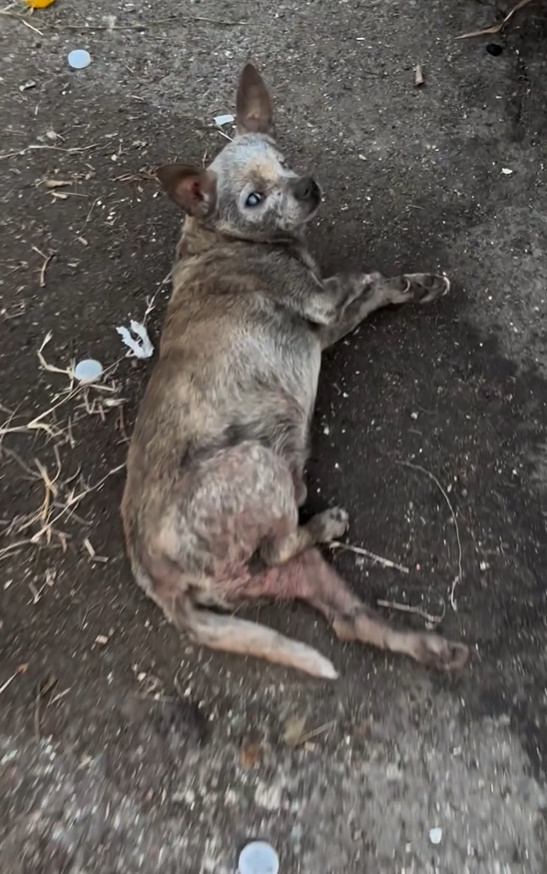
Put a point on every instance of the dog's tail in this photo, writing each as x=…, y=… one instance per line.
x=231, y=634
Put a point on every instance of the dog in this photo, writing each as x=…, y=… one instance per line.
x=215, y=470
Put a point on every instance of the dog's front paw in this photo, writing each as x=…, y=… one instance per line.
x=425, y=287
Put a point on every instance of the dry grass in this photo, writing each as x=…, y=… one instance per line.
x=61, y=493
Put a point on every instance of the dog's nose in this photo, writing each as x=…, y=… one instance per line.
x=307, y=188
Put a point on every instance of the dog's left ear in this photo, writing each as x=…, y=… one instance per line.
x=194, y=190
x=253, y=104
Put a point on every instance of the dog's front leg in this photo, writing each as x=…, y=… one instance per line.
x=358, y=296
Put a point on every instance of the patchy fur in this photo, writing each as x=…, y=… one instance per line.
x=215, y=472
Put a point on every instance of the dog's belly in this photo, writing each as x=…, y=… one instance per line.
x=291, y=361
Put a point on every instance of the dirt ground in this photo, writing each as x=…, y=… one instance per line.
x=123, y=748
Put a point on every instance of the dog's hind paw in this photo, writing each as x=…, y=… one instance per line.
x=439, y=653
x=328, y=525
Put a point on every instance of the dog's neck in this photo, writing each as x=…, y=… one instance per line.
x=197, y=239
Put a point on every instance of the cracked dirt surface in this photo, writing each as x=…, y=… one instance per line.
x=122, y=747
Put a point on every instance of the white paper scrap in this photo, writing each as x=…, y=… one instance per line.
x=140, y=344
x=223, y=119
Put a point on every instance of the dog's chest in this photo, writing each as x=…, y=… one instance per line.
x=289, y=351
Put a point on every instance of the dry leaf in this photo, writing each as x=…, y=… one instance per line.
x=250, y=756
x=496, y=28
x=294, y=731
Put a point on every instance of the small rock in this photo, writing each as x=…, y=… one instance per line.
x=268, y=797
x=494, y=49
x=393, y=773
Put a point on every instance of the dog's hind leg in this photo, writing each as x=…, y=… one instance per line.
x=175, y=594
x=308, y=577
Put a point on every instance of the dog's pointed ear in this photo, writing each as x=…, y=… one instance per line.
x=194, y=190
x=253, y=104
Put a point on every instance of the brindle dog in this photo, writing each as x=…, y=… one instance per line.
x=215, y=473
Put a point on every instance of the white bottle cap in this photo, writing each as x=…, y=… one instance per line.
x=258, y=858
x=88, y=370
x=78, y=59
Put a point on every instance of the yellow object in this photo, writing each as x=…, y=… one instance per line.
x=39, y=4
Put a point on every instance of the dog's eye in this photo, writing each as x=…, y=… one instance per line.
x=254, y=199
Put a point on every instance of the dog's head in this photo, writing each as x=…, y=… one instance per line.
x=248, y=191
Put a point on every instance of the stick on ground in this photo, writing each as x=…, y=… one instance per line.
x=458, y=578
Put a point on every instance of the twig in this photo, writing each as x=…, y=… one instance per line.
x=52, y=368
x=496, y=28
x=359, y=550
x=458, y=578
x=151, y=301
x=416, y=611
x=37, y=713
x=34, y=146
x=47, y=261
x=72, y=502
x=11, y=547
x=22, y=669
x=88, y=216
x=21, y=18
x=314, y=732
x=82, y=28
x=8, y=682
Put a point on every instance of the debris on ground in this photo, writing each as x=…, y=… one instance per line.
x=140, y=345
x=88, y=370
x=258, y=857
x=418, y=76
x=435, y=835
x=221, y=120
x=496, y=28
x=78, y=59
